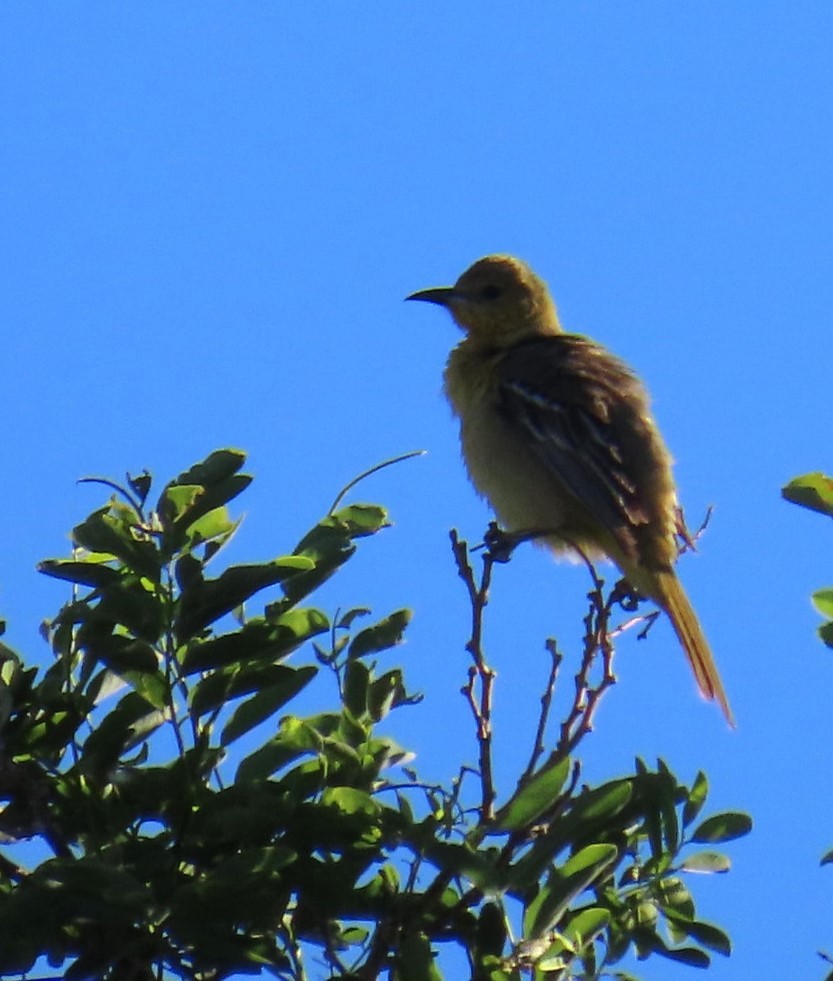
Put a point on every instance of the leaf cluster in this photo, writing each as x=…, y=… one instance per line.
x=190, y=819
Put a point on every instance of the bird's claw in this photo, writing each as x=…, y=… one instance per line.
x=499, y=543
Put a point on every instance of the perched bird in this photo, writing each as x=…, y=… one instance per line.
x=558, y=436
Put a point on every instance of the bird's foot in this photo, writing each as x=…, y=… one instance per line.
x=501, y=544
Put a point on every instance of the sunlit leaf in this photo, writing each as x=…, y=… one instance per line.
x=706, y=862
x=537, y=794
x=696, y=798
x=813, y=491
x=564, y=885
x=258, y=640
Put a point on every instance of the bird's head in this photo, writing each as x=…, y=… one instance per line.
x=497, y=301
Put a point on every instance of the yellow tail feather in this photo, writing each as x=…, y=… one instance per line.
x=668, y=592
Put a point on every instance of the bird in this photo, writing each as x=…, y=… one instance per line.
x=558, y=436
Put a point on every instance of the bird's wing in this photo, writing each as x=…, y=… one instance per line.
x=586, y=418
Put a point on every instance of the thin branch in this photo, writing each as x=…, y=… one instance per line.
x=687, y=539
x=375, y=469
x=478, y=689
x=556, y=659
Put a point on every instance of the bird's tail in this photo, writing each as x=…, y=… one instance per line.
x=670, y=595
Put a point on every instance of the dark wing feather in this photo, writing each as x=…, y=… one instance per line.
x=586, y=417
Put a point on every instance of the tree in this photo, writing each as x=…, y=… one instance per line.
x=165, y=851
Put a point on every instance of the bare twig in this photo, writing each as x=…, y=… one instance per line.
x=546, y=704
x=597, y=640
x=688, y=540
x=481, y=676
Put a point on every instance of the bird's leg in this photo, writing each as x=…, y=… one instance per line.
x=501, y=543
x=626, y=595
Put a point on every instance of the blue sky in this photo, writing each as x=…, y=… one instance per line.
x=211, y=214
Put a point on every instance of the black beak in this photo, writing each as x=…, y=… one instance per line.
x=441, y=295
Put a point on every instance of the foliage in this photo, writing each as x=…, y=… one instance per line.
x=196, y=814
x=814, y=491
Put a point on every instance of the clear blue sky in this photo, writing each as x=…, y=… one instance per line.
x=211, y=213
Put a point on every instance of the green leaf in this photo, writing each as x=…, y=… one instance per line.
x=723, y=827
x=330, y=543
x=362, y=519
x=415, y=959
x=204, y=488
x=86, y=573
x=295, y=738
x=386, y=693
x=349, y=800
x=813, y=491
x=125, y=654
x=258, y=640
x=538, y=793
x=491, y=930
x=210, y=599
x=696, y=798
x=214, y=469
x=706, y=934
x=130, y=721
x=478, y=866
x=592, y=812
x=266, y=702
x=116, y=530
x=381, y=636
x=706, y=861
x=177, y=499
x=222, y=686
x=825, y=632
x=823, y=602
x=564, y=885
x=586, y=925
x=683, y=955
x=356, y=686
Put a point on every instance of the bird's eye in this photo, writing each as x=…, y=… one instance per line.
x=490, y=292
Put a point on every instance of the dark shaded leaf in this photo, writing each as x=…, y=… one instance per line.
x=704, y=933
x=415, y=959
x=130, y=721
x=723, y=827
x=381, y=636
x=222, y=686
x=210, y=599
x=386, y=693
x=94, y=574
x=117, y=530
x=266, y=702
x=356, y=686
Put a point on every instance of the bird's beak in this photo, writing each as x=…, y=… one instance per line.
x=442, y=295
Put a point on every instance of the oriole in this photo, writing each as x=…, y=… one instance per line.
x=557, y=434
